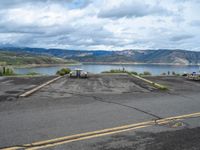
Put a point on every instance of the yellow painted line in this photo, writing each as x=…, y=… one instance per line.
x=181, y=117
x=92, y=133
x=12, y=148
x=39, y=87
x=99, y=133
x=85, y=138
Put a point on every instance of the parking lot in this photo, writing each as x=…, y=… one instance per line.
x=72, y=106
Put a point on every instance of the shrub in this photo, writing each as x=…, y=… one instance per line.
x=115, y=71
x=32, y=73
x=141, y=74
x=135, y=73
x=6, y=71
x=1, y=72
x=63, y=71
x=146, y=73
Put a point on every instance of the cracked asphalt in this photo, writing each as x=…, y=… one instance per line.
x=72, y=106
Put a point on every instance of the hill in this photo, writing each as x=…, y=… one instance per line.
x=161, y=56
x=24, y=58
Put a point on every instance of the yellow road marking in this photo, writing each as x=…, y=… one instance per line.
x=87, y=137
x=99, y=133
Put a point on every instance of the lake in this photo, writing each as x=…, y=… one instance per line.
x=140, y=68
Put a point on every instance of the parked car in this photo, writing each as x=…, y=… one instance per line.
x=194, y=76
x=84, y=74
x=78, y=73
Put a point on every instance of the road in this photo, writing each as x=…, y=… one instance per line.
x=73, y=106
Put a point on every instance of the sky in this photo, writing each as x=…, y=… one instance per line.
x=101, y=24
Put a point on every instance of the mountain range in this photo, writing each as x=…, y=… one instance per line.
x=160, y=56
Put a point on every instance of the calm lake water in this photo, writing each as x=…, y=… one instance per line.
x=154, y=69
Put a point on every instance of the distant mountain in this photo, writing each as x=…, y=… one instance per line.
x=161, y=56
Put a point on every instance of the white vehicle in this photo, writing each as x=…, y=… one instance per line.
x=194, y=76
x=78, y=73
x=84, y=74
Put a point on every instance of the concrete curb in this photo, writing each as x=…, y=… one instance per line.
x=156, y=85
x=28, y=93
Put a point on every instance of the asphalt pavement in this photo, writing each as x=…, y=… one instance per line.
x=73, y=106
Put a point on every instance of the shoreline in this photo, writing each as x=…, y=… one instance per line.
x=41, y=65
x=96, y=63
x=134, y=63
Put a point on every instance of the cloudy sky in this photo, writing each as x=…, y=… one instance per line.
x=101, y=24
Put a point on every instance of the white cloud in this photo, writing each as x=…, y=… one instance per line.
x=131, y=8
x=100, y=24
